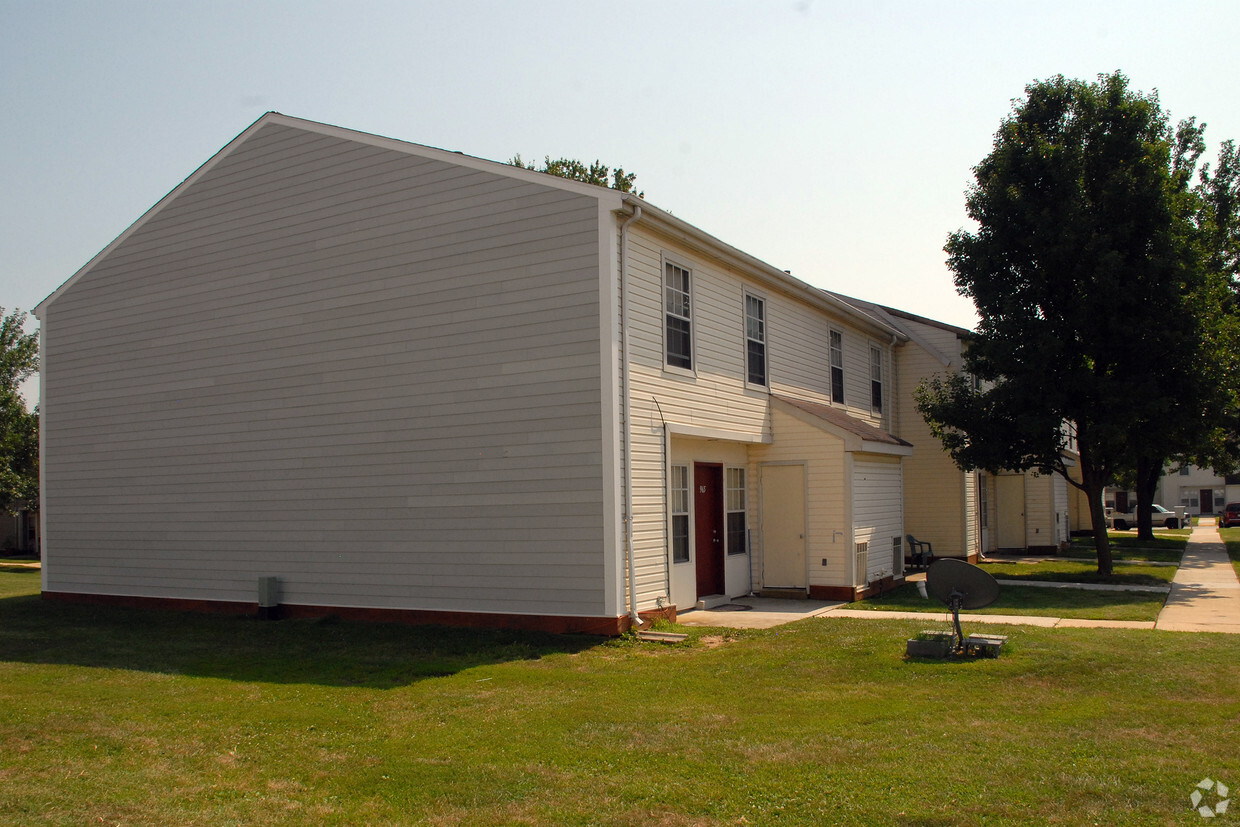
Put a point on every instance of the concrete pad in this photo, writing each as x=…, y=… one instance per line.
x=755, y=613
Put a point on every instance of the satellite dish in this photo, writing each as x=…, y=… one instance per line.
x=961, y=586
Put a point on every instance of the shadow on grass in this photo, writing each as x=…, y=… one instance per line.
x=326, y=652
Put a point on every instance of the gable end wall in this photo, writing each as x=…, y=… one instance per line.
x=372, y=374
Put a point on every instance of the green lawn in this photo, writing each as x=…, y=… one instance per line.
x=1124, y=573
x=1032, y=600
x=127, y=717
x=1166, y=547
x=1231, y=536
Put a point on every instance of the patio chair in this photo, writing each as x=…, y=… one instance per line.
x=922, y=553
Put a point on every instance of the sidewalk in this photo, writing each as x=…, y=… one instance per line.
x=1204, y=597
x=1205, y=594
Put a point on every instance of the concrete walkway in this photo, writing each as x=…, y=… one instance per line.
x=1204, y=597
x=1205, y=594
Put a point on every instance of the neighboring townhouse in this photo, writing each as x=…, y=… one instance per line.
x=943, y=505
x=964, y=513
x=417, y=385
x=1200, y=491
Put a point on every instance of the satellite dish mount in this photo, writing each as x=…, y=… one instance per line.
x=961, y=586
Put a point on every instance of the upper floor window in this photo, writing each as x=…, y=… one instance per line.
x=837, y=366
x=876, y=379
x=755, y=340
x=679, y=335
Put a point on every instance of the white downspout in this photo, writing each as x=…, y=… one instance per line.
x=895, y=389
x=626, y=432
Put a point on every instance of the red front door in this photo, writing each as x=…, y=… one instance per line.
x=1206, y=500
x=708, y=531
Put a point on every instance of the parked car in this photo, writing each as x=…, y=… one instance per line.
x=1159, y=518
x=1230, y=516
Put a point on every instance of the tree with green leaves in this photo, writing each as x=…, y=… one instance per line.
x=19, y=427
x=1087, y=271
x=596, y=173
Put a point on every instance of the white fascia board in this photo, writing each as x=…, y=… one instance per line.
x=886, y=448
x=707, y=244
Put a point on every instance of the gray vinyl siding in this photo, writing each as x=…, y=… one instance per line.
x=371, y=373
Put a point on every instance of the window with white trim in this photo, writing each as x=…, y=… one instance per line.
x=734, y=508
x=876, y=380
x=680, y=513
x=678, y=334
x=755, y=340
x=837, y=366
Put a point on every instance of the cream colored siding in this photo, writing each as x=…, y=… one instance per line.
x=826, y=495
x=877, y=512
x=373, y=374
x=940, y=502
x=714, y=396
x=972, y=516
x=1060, y=493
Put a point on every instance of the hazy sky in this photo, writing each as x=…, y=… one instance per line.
x=831, y=139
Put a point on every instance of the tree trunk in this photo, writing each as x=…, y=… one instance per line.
x=1094, y=479
x=1098, y=520
x=1149, y=472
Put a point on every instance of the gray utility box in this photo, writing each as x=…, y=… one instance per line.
x=268, y=597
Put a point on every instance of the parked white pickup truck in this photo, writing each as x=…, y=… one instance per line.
x=1159, y=518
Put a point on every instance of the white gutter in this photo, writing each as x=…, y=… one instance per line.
x=626, y=411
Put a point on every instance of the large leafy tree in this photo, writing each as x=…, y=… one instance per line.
x=1086, y=269
x=1193, y=419
x=19, y=428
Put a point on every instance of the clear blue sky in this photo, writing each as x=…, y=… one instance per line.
x=831, y=139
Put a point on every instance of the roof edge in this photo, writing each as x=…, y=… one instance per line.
x=154, y=210
x=711, y=245
x=609, y=197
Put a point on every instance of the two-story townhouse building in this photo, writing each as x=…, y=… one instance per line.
x=409, y=383
x=943, y=505
x=960, y=513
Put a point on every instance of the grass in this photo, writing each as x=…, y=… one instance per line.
x=1071, y=571
x=1231, y=537
x=1032, y=600
x=118, y=716
x=1167, y=547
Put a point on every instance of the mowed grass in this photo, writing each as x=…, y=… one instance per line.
x=129, y=717
x=1032, y=600
x=1167, y=546
x=1231, y=537
x=1072, y=571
